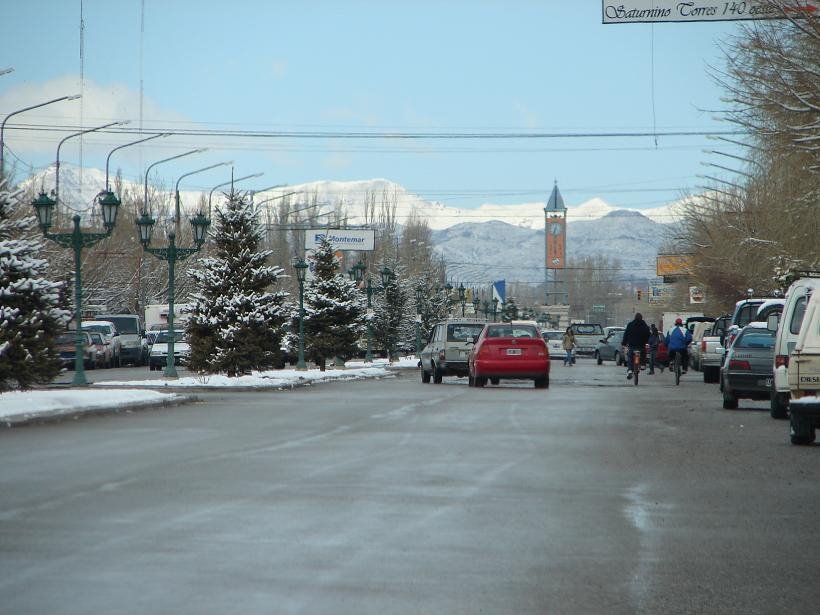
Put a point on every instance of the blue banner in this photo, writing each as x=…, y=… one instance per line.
x=500, y=291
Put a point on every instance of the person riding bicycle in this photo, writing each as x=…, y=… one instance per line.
x=636, y=335
x=678, y=339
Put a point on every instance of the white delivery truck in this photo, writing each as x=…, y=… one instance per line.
x=156, y=316
x=804, y=376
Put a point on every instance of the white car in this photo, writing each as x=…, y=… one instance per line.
x=555, y=343
x=110, y=335
x=158, y=357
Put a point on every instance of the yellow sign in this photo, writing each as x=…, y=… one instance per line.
x=674, y=264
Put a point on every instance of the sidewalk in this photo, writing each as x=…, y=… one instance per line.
x=60, y=401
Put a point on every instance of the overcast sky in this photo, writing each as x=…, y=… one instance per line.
x=345, y=66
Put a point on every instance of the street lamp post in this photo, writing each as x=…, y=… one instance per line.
x=77, y=240
x=462, y=297
x=108, y=158
x=386, y=276
x=419, y=297
x=230, y=181
x=486, y=306
x=476, y=303
x=356, y=274
x=3, y=124
x=495, y=309
x=158, y=162
x=44, y=207
x=179, y=179
x=171, y=255
x=301, y=269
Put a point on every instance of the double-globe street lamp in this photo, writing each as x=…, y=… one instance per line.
x=170, y=254
x=387, y=276
x=356, y=274
x=301, y=270
x=77, y=240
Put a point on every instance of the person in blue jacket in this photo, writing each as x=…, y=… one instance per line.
x=678, y=339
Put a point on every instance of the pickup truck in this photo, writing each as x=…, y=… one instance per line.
x=587, y=337
x=712, y=349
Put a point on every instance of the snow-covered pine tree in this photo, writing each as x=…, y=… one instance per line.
x=30, y=312
x=335, y=309
x=391, y=310
x=235, y=319
x=434, y=305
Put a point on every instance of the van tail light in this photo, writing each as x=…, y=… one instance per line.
x=703, y=346
x=738, y=364
x=781, y=360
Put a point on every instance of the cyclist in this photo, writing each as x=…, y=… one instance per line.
x=635, y=337
x=678, y=339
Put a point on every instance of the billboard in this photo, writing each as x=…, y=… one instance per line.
x=671, y=265
x=660, y=292
x=696, y=294
x=655, y=11
x=342, y=239
x=556, y=242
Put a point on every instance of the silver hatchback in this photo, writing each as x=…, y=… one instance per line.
x=447, y=348
x=747, y=370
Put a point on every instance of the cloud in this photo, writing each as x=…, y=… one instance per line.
x=101, y=104
x=279, y=68
x=528, y=117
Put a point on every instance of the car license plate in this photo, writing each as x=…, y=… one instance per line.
x=764, y=382
x=513, y=351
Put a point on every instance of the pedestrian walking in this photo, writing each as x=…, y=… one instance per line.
x=654, y=341
x=569, y=344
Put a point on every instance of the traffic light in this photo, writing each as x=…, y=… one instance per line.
x=640, y=294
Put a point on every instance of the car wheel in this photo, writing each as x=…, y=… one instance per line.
x=480, y=381
x=425, y=376
x=729, y=401
x=470, y=380
x=780, y=405
x=495, y=381
x=598, y=358
x=542, y=383
x=437, y=375
x=802, y=431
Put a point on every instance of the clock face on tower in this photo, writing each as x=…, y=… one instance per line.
x=555, y=228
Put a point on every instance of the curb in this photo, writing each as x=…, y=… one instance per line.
x=20, y=420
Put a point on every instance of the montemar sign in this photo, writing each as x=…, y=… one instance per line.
x=649, y=11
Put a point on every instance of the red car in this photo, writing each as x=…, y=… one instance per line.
x=510, y=350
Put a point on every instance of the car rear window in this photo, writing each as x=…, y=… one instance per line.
x=164, y=337
x=584, y=329
x=756, y=338
x=512, y=331
x=66, y=338
x=553, y=335
x=463, y=333
x=124, y=324
x=797, y=314
x=98, y=328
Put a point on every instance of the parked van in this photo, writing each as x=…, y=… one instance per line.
x=788, y=325
x=804, y=376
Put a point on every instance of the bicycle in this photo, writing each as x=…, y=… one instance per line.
x=635, y=359
x=676, y=368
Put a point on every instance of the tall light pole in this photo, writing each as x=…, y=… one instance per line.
x=462, y=297
x=230, y=181
x=495, y=309
x=145, y=208
x=108, y=158
x=176, y=188
x=476, y=303
x=3, y=125
x=171, y=254
x=44, y=208
x=301, y=268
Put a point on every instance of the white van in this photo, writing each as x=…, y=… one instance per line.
x=788, y=328
x=804, y=376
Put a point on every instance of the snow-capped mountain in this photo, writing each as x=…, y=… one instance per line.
x=497, y=250
x=354, y=197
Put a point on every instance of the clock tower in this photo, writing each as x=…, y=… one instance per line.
x=555, y=252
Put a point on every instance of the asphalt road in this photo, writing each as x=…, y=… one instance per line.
x=391, y=496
